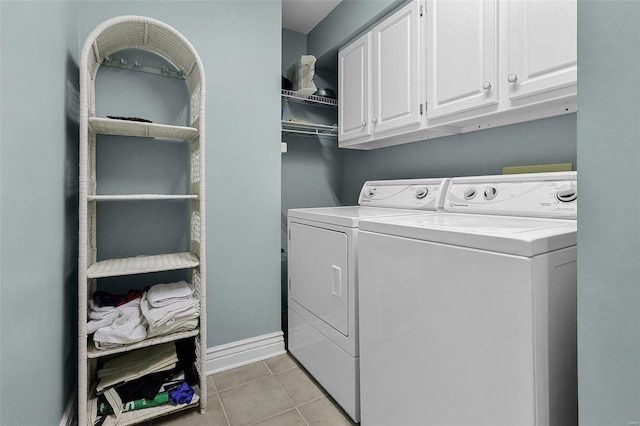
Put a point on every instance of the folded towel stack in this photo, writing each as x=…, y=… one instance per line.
x=169, y=308
x=161, y=309
x=116, y=325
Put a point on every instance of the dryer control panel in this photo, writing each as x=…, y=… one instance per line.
x=533, y=194
x=421, y=194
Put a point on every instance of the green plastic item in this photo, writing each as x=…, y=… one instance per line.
x=160, y=398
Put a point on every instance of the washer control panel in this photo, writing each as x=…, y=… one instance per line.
x=532, y=194
x=423, y=194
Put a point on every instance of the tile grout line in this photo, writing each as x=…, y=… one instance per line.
x=253, y=380
x=283, y=371
x=224, y=411
x=295, y=407
x=274, y=416
x=243, y=383
x=285, y=392
x=272, y=374
x=218, y=392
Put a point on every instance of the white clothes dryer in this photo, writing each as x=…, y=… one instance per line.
x=468, y=317
x=323, y=280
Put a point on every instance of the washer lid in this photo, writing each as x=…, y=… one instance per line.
x=348, y=216
x=505, y=234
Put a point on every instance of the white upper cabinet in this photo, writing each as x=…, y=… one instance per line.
x=542, y=46
x=396, y=71
x=498, y=62
x=381, y=83
x=473, y=64
x=462, y=65
x=354, y=90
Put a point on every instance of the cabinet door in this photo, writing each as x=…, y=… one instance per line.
x=542, y=54
x=461, y=56
x=354, y=88
x=396, y=70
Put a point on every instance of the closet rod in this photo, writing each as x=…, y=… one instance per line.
x=137, y=66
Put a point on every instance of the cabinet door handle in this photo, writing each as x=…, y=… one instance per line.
x=486, y=85
x=364, y=123
x=375, y=120
x=512, y=78
x=336, y=281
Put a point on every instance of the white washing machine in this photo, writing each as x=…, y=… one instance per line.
x=469, y=317
x=323, y=277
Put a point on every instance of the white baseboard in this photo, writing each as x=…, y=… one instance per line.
x=69, y=415
x=243, y=352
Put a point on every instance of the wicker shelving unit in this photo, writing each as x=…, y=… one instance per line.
x=117, y=34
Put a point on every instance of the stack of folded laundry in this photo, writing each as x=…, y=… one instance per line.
x=145, y=378
x=169, y=308
x=116, y=320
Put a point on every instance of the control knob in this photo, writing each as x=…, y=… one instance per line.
x=490, y=192
x=372, y=191
x=567, y=193
x=469, y=193
x=421, y=192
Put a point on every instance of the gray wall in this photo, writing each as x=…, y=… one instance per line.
x=38, y=195
x=294, y=44
x=609, y=225
x=345, y=22
x=128, y=165
x=485, y=152
x=311, y=168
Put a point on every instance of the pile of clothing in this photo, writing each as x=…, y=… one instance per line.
x=148, y=377
x=116, y=320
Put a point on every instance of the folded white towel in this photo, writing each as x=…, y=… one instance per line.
x=174, y=327
x=161, y=295
x=128, y=327
x=157, y=316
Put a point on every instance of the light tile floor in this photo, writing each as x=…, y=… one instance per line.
x=274, y=392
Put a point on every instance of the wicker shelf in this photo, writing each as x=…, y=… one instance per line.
x=108, y=38
x=93, y=352
x=109, y=126
x=142, y=264
x=135, y=197
x=138, y=416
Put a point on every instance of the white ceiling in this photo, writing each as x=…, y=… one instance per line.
x=303, y=15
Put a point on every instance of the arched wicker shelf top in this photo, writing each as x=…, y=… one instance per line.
x=140, y=32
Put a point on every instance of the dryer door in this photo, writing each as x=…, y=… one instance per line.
x=318, y=273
